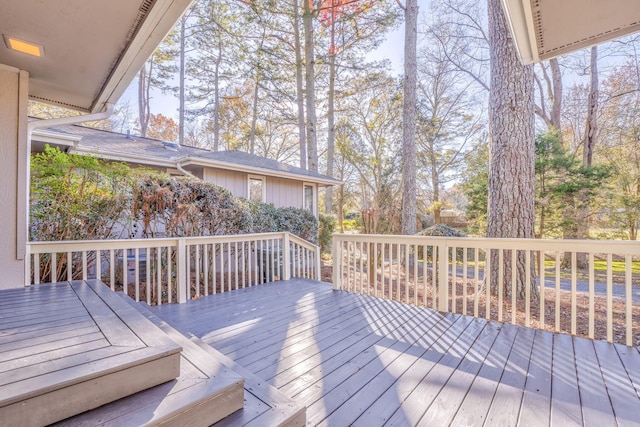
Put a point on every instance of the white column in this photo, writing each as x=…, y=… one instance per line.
x=14, y=169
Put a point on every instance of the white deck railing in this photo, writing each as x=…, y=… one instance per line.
x=402, y=268
x=176, y=269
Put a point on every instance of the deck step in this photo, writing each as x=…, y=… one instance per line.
x=264, y=404
x=51, y=370
x=205, y=392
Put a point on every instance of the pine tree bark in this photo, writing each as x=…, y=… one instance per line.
x=511, y=211
x=299, y=86
x=331, y=134
x=309, y=61
x=183, y=24
x=409, y=192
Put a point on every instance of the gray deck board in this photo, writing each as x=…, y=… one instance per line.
x=565, y=403
x=358, y=360
x=536, y=402
x=66, y=351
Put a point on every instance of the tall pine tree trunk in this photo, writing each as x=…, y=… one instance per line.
x=511, y=211
x=309, y=61
x=331, y=134
x=299, y=86
x=183, y=24
x=409, y=192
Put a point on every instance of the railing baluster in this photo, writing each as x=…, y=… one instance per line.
x=425, y=275
x=487, y=281
x=147, y=263
x=205, y=267
x=557, y=305
x=125, y=272
x=415, y=274
x=98, y=264
x=54, y=267
x=214, y=265
x=69, y=266
x=592, y=293
x=112, y=269
x=628, y=285
x=136, y=273
x=36, y=269
x=465, y=292
x=197, y=266
x=476, y=277
x=454, y=280
x=500, y=282
x=84, y=265
x=514, y=306
x=158, y=275
x=541, y=257
x=527, y=291
x=574, y=280
x=609, y=298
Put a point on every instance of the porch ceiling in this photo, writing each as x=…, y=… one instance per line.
x=544, y=29
x=92, y=49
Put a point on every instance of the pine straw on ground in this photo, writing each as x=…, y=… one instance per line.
x=562, y=301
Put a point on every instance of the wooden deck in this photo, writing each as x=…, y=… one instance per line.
x=66, y=348
x=357, y=360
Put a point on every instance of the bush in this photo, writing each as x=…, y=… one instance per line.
x=441, y=230
x=182, y=207
x=81, y=197
x=267, y=218
x=326, y=227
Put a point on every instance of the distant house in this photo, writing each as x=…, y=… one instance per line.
x=243, y=174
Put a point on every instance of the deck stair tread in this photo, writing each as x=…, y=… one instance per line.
x=50, y=370
x=264, y=404
x=205, y=392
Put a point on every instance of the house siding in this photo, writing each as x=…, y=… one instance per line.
x=236, y=182
x=284, y=192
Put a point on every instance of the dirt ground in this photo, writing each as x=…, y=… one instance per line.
x=562, y=302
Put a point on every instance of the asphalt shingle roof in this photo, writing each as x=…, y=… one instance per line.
x=151, y=149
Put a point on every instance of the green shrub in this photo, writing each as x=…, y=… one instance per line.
x=441, y=230
x=326, y=227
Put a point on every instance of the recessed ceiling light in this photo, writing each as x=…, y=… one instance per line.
x=23, y=46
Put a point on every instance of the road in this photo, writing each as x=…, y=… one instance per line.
x=581, y=286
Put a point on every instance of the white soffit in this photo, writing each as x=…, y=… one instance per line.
x=91, y=49
x=544, y=29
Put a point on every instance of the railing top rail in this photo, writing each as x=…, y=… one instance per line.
x=588, y=246
x=89, y=245
x=302, y=242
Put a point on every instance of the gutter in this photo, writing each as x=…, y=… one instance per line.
x=63, y=121
x=183, y=171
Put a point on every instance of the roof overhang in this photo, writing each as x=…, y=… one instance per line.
x=189, y=160
x=543, y=29
x=91, y=50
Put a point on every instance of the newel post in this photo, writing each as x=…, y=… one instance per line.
x=337, y=263
x=443, y=277
x=181, y=273
x=286, y=256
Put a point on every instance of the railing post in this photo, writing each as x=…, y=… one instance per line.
x=286, y=256
x=27, y=267
x=443, y=277
x=181, y=274
x=337, y=264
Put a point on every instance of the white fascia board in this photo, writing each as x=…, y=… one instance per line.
x=126, y=158
x=259, y=171
x=520, y=20
x=56, y=138
x=156, y=26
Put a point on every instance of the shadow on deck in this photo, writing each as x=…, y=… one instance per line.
x=357, y=360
